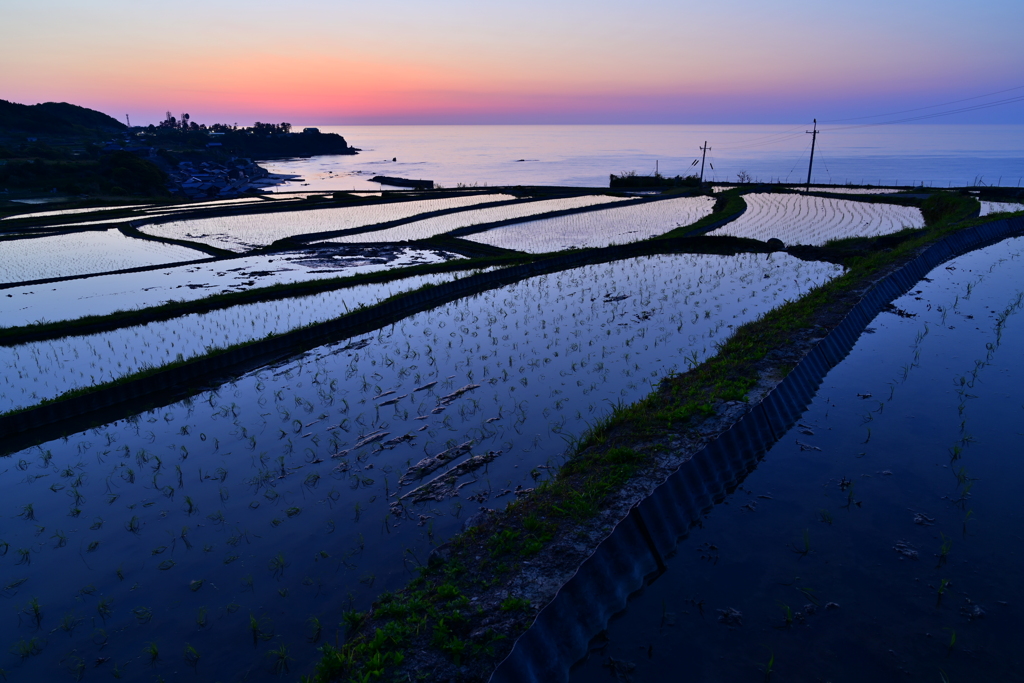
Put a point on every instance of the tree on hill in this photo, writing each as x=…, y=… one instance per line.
x=55, y=118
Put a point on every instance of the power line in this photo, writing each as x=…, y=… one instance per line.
x=786, y=135
x=930, y=106
x=1009, y=100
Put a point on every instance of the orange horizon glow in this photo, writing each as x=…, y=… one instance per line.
x=461, y=63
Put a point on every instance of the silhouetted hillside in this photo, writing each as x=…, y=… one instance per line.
x=55, y=118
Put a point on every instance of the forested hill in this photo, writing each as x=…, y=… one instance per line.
x=55, y=118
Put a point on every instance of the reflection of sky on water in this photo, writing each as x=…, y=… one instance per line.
x=105, y=294
x=585, y=155
x=39, y=258
x=216, y=488
x=935, y=378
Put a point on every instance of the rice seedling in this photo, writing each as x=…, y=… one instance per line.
x=280, y=658
x=201, y=620
x=60, y=539
x=143, y=615
x=196, y=584
x=952, y=640
x=260, y=629
x=805, y=549
x=105, y=608
x=152, y=652
x=68, y=623
x=315, y=630
x=192, y=657
x=947, y=545
x=27, y=648
x=277, y=565
x=35, y=610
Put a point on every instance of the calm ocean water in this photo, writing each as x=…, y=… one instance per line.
x=937, y=155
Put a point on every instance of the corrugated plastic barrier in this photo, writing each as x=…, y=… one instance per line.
x=634, y=552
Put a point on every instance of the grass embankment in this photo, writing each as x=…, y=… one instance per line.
x=729, y=206
x=459, y=617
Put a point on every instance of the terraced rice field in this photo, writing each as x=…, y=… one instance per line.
x=105, y=294
x=850, y=190
x=796, y=219
x=998, y=207
x=245, y=232
x=306, y=488
x=438, y=225
x=615, y=225
x=71, y=212
x=38, y=371
x=38, y=258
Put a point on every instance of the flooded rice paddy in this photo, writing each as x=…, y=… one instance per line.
x=105, y=294
x=431, y=227
x=38, y=258
x=851, y=190
x=999, y=207
x=825, y=188
x=879, y=539
x=244, y=232
x=221, y=536
x=615, y=225
x=71, y=212
x=797, y=219
x=37, y=371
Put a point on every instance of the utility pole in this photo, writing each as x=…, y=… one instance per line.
x=704, y=153
x=814, y=137
x=127, y=120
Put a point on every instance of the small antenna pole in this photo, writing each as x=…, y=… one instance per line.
x=704, y=153
x=127, y=120
x=814, y=137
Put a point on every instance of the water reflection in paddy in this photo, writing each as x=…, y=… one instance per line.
x=269, y=501
x=879, y=539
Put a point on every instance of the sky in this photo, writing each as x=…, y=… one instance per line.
x=532, y=61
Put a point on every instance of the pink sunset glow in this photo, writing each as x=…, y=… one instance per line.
x=458, y=62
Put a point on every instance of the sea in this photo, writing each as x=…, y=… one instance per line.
x=934, y=155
